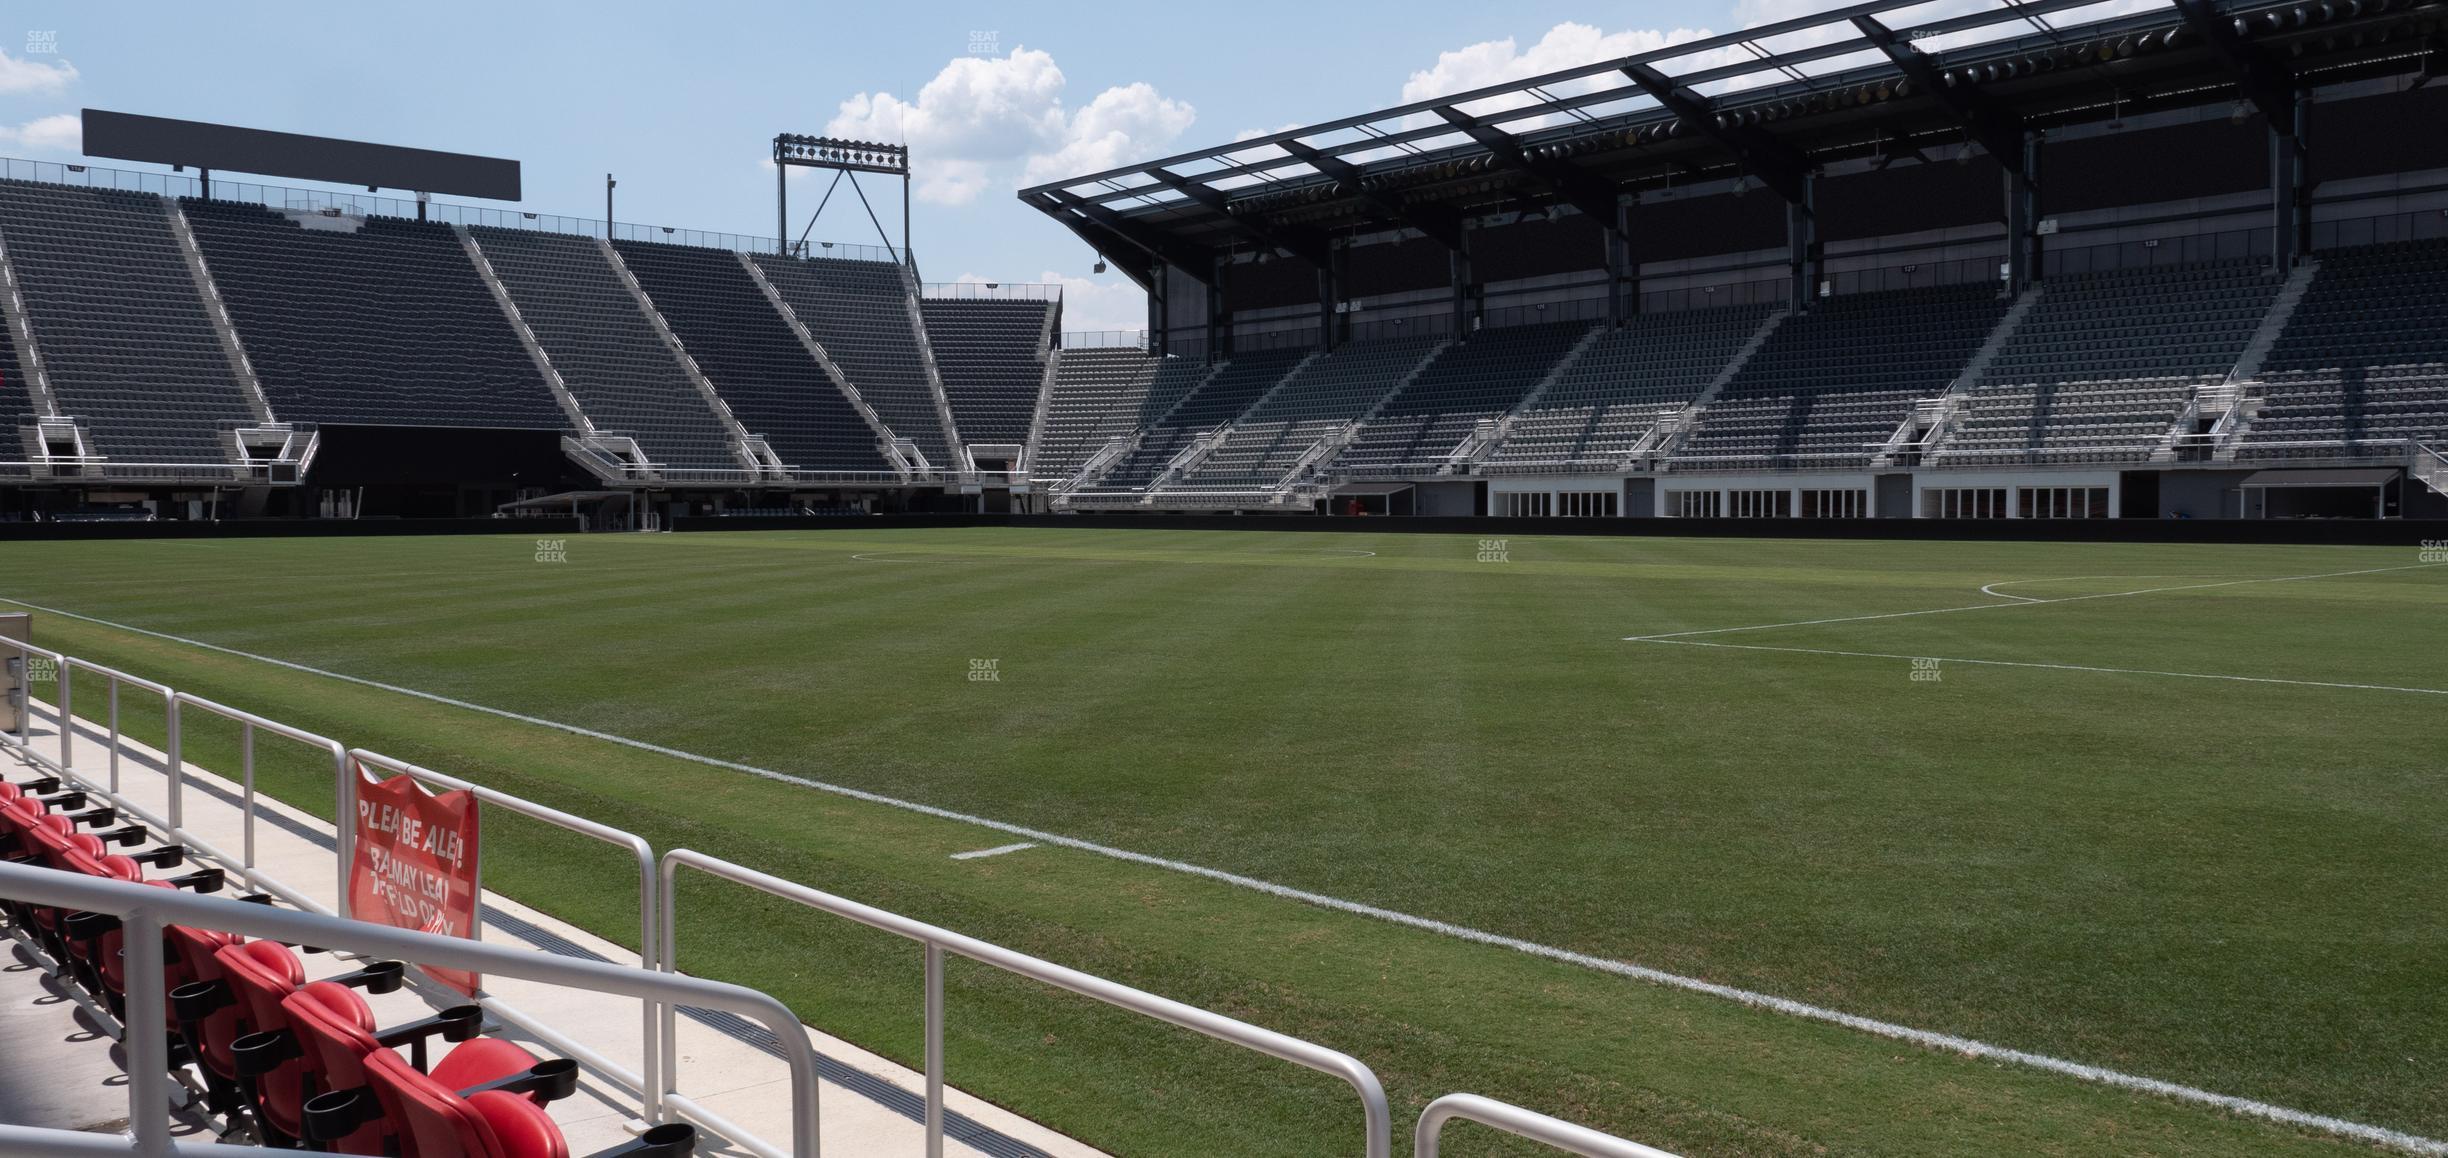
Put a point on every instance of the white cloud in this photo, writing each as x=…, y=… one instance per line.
x=21, y=76
x=986, y=120
x=62, y=134
x=1567, y=45
x=1121, y=125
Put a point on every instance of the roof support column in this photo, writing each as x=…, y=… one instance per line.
x=1623, y=277
x=1330, y=298
x=1803, y=261
x=1160, y=311
x=2290, y=217
x=1465, y=289
x=2022, y=218
x=1219, y=319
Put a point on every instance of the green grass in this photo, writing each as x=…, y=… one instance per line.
x=2226, y=884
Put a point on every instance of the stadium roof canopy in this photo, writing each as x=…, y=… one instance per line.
x=1884, y=78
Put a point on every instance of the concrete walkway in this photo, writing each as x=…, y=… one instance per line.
x=57, y=1070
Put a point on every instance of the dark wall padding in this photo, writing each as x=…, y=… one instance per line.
x=1281, y=281
x=1701, y=226
x=1910, y=198
x=355, y=456
x=2366, y=532
x=1538, y=248
x=2376, y=135
x=545, y=527
x=2144, y=166
x=1396, y=267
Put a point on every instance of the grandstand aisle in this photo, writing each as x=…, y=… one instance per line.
x=758, y=366
x=859, y=312
x=624, y=378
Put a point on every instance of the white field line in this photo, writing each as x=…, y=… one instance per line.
x=998, y=850
x=2189, y=675
x=2024, y=602
x=1967, y=1047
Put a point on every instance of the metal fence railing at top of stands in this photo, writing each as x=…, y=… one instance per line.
x=1008, y=291
x=144, y=912
x=1104, y=339
x=1377, y=1117
x=360, y=203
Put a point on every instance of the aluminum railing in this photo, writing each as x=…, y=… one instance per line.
x=174, y=765
x=143, y=912
x=115, y=743
x=937, y=941
x=1523, y=1123
x=659, y=1097
x=645, y=1084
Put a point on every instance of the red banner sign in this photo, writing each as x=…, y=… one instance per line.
x=415, y=866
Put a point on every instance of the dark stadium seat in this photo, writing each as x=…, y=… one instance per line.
x=1482, y=376
x=1831, y=383
x=2362, y=365
x=606, y=351
x=1610, y=397
x=2103, y=363
x=1329, y=391
x=771, y=383
x=126, y=341
x=388, y=325
x=1205, y=404
x=859, y=311
x=1100, y=395
x=992, y=357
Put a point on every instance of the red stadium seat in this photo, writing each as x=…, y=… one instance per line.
x=439, y=1118
x=271, y=1069
x=336, y=1031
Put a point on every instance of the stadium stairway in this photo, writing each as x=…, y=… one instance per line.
x=859, y=312
x=868, y=1104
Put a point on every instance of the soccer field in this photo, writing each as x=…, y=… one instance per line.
x=2172, y=812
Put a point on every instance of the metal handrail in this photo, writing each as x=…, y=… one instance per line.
x=1351, y=1070
x=143, y=911
x=1523, y=1123
x=175, y=764
x=645, y=1084
x=69, y=666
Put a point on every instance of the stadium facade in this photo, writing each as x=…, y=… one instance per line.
x=2029, y=262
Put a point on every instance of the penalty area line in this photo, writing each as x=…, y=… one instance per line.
x=1930, y=1039
x=2021, y=601
x=1944, y=659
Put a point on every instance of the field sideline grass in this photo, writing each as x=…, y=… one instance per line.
x=2226, y=885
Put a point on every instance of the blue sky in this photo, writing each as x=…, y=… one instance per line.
x=682, y=107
